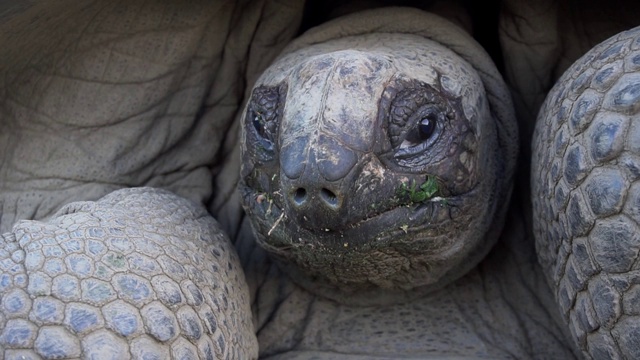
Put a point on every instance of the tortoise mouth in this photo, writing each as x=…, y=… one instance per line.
x=397, y=249
x=281, y=230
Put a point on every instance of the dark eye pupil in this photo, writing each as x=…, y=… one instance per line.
x=426, y=127
x=257, y=123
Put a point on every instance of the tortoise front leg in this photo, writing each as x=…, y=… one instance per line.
x=141, y=274
x=586, y=196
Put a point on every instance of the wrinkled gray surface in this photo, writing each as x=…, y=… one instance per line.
x=189, y=65
x=122, y=96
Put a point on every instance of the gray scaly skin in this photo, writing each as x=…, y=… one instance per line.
x=141, y=274
x=586, y=196
x=153, y=270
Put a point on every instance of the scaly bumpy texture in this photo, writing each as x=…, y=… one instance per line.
x=141, y=273
x=586, y=196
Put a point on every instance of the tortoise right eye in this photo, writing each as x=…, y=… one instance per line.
x=263, y=118
x=259, y=124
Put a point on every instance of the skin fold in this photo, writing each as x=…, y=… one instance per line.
x=101, y=96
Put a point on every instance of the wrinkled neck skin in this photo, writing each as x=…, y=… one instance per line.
x=500, y=309
x=452, y=10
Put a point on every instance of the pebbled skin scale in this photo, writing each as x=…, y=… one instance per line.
x=140, y=274
x=586, y=196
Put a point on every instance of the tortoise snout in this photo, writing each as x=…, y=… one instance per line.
x=317, y=178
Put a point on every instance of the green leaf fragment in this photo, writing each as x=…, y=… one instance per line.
x=422, y=193
x=430, y=187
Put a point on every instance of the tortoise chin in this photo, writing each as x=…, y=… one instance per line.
x=369, y=169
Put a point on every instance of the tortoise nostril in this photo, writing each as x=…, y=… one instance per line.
x=301, y=199
x=329, y=197
x=300, y=196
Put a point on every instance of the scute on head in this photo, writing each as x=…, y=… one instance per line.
x=352, y=213
x=433, y=65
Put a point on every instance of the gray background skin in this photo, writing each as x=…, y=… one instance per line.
x=72, y=131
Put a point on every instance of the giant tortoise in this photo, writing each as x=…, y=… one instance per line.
x=408, y=179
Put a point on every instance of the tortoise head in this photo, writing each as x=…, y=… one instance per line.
x=371, y=166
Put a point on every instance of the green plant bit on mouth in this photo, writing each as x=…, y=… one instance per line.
x=422, y=193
